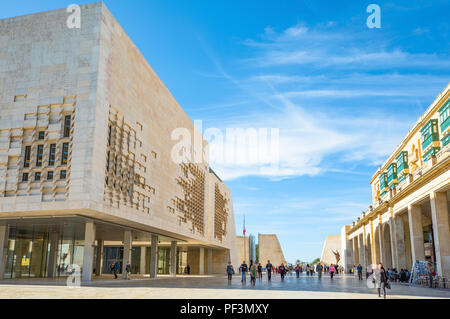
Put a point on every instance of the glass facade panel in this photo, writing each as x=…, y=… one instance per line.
x=27, y=253
x=110, y=256
x=163, y=260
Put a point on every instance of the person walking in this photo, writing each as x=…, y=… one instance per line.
x=128, y=270
x=269, y=269
x=230, y=272
x=359, y=269
x=431, y=274
x=244, y=269
x=253, y=270
x=116, y=269
x=282, y=271
x=188, y=269
x=307, y=269
x=259, y=271
x=297, y=270
x=319, y=269
x=332, y=270
x=381, y=280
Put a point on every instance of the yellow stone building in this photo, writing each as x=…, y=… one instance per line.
x=408, y=219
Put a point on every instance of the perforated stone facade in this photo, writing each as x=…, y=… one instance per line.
x=118, y=165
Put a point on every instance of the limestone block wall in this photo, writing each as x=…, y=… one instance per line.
x=270, y=249
x=47, y=72
x=332, y=244
x=119, y=163
x=240, y=248
x=175, y=197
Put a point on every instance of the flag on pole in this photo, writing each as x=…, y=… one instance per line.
x=244, y=226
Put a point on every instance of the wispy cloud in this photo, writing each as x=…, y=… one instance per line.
x=304, y=80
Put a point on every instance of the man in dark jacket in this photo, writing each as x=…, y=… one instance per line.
x=282, y=271
x=116, y=269
x=230, y=271
x=244, y=269
x=269, y=269
x=359, y=268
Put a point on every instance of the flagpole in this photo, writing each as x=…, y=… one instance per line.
x=245, y=257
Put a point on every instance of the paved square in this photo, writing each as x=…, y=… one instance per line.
x=212, y=287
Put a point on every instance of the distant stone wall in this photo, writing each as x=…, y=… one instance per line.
x=270, y=249
x=332, y=243
x=240, y=248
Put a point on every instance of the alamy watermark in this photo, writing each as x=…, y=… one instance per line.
x=74, y=279
x=232, y=146
x=374, y=20
x=74, y=19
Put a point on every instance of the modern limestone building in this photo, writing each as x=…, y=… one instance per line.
x=270, y=249
x=246, y=247
x=86, y=172
x=331, y=251
x=409, y=217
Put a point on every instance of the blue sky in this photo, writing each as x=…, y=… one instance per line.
x=343, y=95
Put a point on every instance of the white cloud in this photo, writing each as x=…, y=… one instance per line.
x=301, y=100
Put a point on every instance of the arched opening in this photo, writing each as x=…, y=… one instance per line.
x=368, y=251
x=377, y=246
x=356, y=250
x=387, y=251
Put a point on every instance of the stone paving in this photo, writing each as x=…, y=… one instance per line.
x=211, y=287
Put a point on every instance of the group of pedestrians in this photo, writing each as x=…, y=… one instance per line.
x=396, y=276
x=256, y=271
x=115, y=267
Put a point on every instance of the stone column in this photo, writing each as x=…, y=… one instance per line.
x=99, y=262
x=4, y=236
x=127, y=250
x=51, y=271
x=210, y=261
x=441, y=232
x=154, y=257
x=393, y=244
x=416, y=232
x=400, y=250
x=88, y=254
x=373, y=249
x=355, y=250
x=346, y=250
x=173, y=258
x=201, y=260
x=143, y=259
x=380, y=242
x=362, y=252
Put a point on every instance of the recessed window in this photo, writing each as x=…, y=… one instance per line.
x=50, y=176
x=39, y=154
x=67, y=121
x=41, y=135
x=65, y=154
x=26, y=160
x=25, y=177
x=63, y=175
x=52, y=155
x=37, y=176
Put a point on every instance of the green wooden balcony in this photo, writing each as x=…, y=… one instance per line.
x=392, y=175
x=444, y=119
x=383, y=184
x=430, y=139
x=402, y=164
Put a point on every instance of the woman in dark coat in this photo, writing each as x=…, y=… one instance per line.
x=381, y=280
